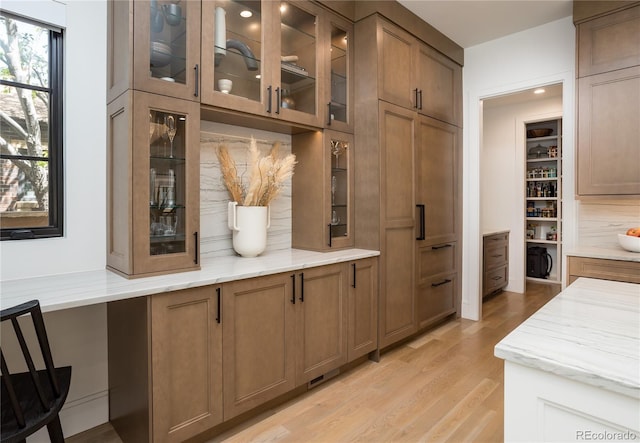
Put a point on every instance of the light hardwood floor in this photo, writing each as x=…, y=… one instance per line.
x=444, y=385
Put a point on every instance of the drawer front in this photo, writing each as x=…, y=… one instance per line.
x=494, y=239
x=437, y=259
x=496, y=255
x=494, y=280
x=436, y=299
x=618, y=270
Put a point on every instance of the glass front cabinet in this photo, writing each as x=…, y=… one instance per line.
x=165, y=38
x=323, y=189
x=153, y=189
x=264, y=57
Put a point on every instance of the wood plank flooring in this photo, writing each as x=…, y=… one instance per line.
x=445, y=385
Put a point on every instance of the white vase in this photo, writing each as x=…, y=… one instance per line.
x=249, y=225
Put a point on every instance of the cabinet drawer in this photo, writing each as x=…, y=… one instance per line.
x=496, y=255
x=494, y=239
x=436, y=299
x=604, y=269
x=437, y=259
x=494, y=280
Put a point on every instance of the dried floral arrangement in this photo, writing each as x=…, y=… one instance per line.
x=267, y=174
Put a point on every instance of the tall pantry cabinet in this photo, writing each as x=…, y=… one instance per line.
x=408, y=181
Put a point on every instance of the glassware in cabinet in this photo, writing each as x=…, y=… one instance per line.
x=339, y=66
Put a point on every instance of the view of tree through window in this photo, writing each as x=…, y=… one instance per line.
x=30, y=130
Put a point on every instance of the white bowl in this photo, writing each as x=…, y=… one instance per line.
x=629, y=242
x=225, y=85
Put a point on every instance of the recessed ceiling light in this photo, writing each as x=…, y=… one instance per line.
x=246, y=13
x=539, y=91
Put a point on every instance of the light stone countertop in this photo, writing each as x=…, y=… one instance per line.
x=590, y=333
x=86, y=288
x=613, y=253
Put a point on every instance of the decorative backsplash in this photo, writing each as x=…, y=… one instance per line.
x=215, y=236
x=600, y=222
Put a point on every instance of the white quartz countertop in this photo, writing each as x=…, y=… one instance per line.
x=613, y=253
x=590, y=333
x=86, y=288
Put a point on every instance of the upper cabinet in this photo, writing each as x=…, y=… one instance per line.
x=154, y=46
x=264, y=58
x=431, y=84
x=609, y=104
x=339, y=66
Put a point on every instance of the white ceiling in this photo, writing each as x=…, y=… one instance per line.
x=471, y=22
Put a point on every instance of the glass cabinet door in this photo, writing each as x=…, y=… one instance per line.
x=341, y=205
x=165, y=172
x=232, y=50
x=340, y=68
x=297, y=90
x=167, y=47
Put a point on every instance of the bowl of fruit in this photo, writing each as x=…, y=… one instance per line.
x=631, y=240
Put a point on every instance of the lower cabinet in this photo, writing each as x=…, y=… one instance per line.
x=495, y=262
x=437, y=282
x=170, y=353
x=604, y=269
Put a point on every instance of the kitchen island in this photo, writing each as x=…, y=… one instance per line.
x=572, y=370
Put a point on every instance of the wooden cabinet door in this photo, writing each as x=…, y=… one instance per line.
x=363, y=308
x=321, y=321
x=339, y=70
x=396, y=78
x=258, y=341
x=608, y=133
x=439, y=83
x=186, y=353
x=608, y=43
x=436, y=299
x=438, y=186
x=397, y=301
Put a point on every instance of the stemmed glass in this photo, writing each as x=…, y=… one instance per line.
x=170, y=122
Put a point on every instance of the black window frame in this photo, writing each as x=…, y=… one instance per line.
x=55, y=228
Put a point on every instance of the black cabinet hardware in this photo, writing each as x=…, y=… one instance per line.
x=353, y=265
x=422, y=235
x=293, y=282
x=444, y=282
x=278, y=100
x=415, y=94
x=420, y=101
x=441, y=246
x=218, y=316
x=269, y=99
x=329, y=114
x=329, y=234
x=197, y=72
x=302, y=287
x=197, y=245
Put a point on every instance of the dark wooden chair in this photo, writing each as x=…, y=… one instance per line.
x=32, y=399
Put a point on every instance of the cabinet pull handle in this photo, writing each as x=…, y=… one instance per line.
x=496, y=255
x=444, y=282
x=329, y=114
x=422, y=235
x=278, y=100
x=496, y=277
x=197, y=245
x=218, y=317
x=196, y=68
x=302, y=287
x=420, y=95
x=269, y=99
x=293, y=282
x=415, y=95
x=354, y=275
x=442, y=246
x=329, y=234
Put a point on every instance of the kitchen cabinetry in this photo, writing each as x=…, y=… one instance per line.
x=431, y=83
x=165, y=365
x=339, y=66
x=154, y=46
x=407, y=184
x=264, y=58
x=153, y=184
x=363, y=308
x=323, y=189
x=604, y=269
x=495, y=262
x=608, y=58
x=321, y=321
x=543, y=195
x=258, y=341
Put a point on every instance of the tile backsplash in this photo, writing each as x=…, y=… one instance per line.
x=215, y=236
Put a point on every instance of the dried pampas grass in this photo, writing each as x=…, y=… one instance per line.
x=267, y=175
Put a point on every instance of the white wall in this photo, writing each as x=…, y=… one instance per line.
x=502, y=179
x=539, y=56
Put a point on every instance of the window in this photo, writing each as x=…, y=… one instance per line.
x=31, y=191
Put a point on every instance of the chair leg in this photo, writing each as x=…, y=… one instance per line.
x=55, y=430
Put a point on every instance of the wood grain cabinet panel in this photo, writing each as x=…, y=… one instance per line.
x=609, y=43
x=604, y=269
x=495, y=262
x=436, y=299
x=363, y=308
x=321, y=321
x=258, y=341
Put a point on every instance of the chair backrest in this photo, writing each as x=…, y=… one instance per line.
x=12, y=314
